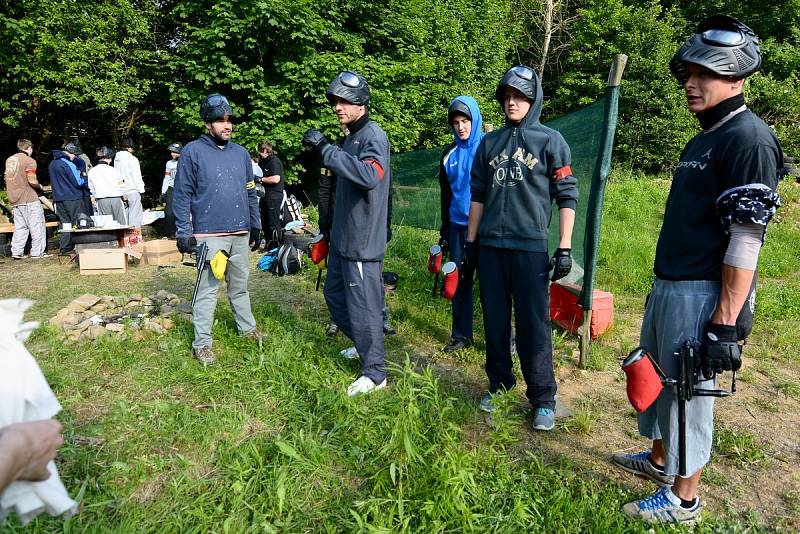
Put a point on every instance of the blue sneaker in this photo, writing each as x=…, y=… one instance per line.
x=663, y=507
x=487, y=403
x=544, y=419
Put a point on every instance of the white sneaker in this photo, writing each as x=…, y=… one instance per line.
x=349, y=354
x=364, y=384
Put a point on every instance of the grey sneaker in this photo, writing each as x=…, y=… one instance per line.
x=332, y=330
x=663, y=507
x=205, y=355
x=544, y=419
x=638, y=464
x=487, y=403
x=255, y=335
x=456, y=344
x=349, y=353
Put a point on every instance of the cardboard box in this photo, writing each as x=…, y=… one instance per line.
x=161, y=252
x=568, y=314
x=103, y=261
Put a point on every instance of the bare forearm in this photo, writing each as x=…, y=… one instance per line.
x=566, y=222
x=272, y=180
x=734, y=289
x=475, y=216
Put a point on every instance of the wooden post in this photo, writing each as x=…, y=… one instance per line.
x=601, y=173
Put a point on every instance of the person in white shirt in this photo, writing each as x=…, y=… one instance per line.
x=128, y=166
x=167, y=186
x=106, y=185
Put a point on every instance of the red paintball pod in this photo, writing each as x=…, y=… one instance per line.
x=319, y=249
x=435, y=259
x=643, y=381
x=449, y=280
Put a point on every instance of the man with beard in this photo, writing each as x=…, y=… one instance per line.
x=215, y=203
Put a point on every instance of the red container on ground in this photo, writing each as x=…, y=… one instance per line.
x=568, y=314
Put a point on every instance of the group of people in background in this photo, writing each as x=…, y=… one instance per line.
x=498, y=190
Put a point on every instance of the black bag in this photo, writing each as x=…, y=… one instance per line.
x=289, y=261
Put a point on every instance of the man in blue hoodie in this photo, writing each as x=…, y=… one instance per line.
x=215, y=203
x=68, y=188
x=519, y=170
x=464, y=118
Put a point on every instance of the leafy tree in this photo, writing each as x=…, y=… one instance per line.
x=274, y=59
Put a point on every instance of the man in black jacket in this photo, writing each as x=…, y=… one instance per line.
x=361, y=168
x=518, y=171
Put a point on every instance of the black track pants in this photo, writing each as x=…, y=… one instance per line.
x=518, y=277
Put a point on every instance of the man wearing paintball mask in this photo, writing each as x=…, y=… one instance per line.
x=519, y=170
x=215, y=203
x=721, y=199
x=361, y=168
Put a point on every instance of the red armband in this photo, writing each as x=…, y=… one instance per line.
x=377, y=166
x=561, y=173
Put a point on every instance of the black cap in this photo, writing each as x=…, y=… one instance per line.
x=349, y=86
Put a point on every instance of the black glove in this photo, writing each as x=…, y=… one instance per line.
x=443, y=244
x=314, y=139
x=255, y=238
x=163, y=198
x=469, y=259
x=561, y=263
x=187, y=245
x=721, y=350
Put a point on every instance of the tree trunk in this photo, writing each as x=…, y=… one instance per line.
x=547, y=27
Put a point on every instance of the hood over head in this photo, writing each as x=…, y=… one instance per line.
x=467, y=106
x=525, y=80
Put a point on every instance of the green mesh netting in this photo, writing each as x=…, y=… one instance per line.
x=416, y=182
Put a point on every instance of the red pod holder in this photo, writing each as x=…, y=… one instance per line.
x=449, y=280
x=643, y=381
x=435, y=259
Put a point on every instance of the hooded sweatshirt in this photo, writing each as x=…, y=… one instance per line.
x=518, y=171
x=67, y=182
x=215, y=192
x=455, y=166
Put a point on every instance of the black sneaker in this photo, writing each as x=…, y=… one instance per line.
x=456, y=344
x=332, y=330
x=388, y=330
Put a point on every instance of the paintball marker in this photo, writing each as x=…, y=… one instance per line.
x=645, y=380
x=200, y=256
x=435, y=265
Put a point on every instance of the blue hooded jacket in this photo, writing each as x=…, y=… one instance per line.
x=66, y=180
x=454, y=169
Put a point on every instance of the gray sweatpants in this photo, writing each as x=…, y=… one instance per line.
x=29, y=220
x=135, y=212
x=676, y=312
x=354, y=294
x=112, y=206
x=236, y=277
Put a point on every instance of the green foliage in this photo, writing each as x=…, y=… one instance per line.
x=654, y=123
x=275, y=59
x=76, y=55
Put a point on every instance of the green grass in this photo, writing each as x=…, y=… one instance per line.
x=738, y=446
x=266, y=440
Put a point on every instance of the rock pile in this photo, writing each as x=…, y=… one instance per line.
x=91, y=317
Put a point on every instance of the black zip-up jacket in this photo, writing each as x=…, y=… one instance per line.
x=518, y=171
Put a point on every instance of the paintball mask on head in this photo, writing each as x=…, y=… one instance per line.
x=215, y=107
x=522, y=78
x=722, y=45
x=349, y=86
